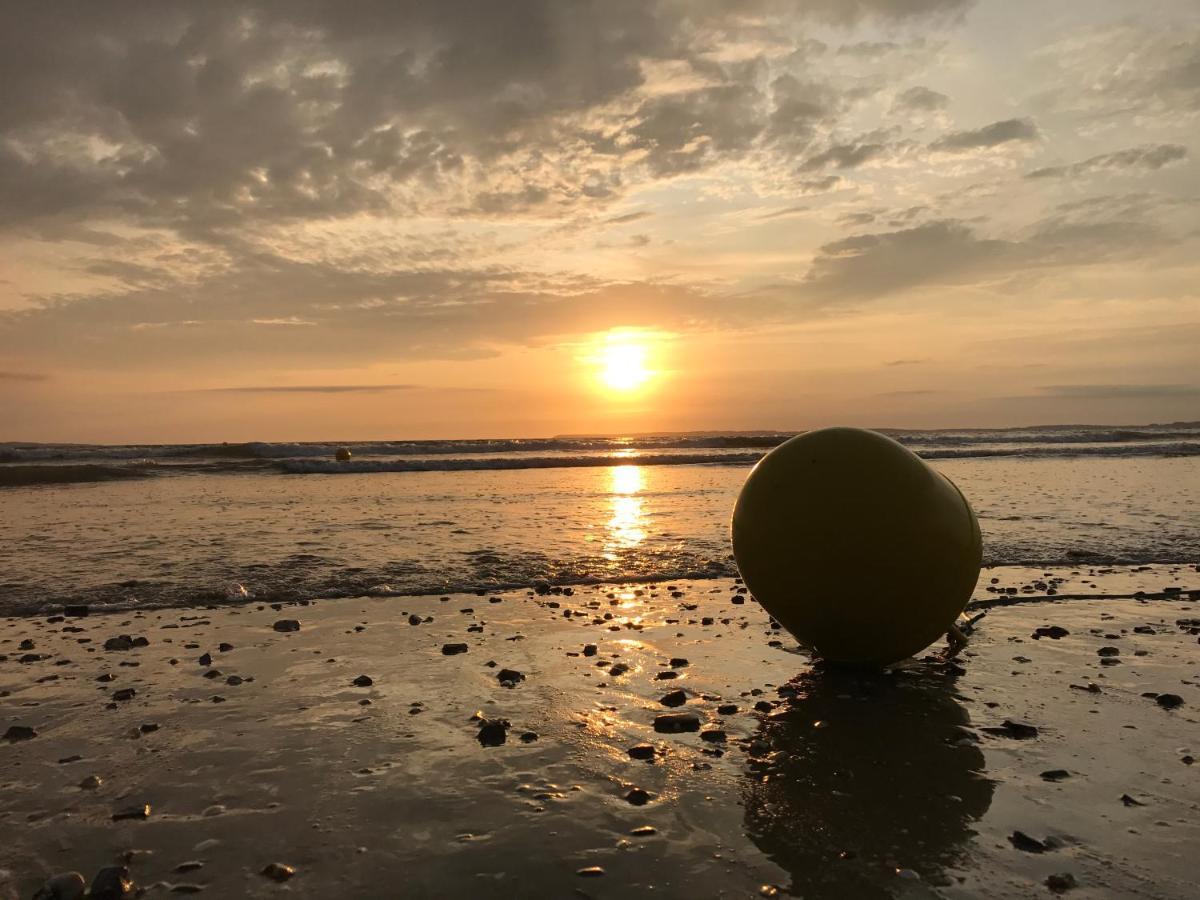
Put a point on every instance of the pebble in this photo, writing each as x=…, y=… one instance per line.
x=509, y=677
x=453, y=649
x=1055, y=775
x=133, y=812
x=121, y=642
x=714, y=736
x=19, y=733
x=590, y=872
x=643, y=831
x=493, y=732
x=1022, y=841
x=1054, y=632
x=1012, y=729
x=278, y=871
x=284, y=625
x=124, y=694
x=225, y=648
x=674, y=723
x=673, y=699
x=642, y=751
x=112, y=883
x=65, y=886
x=1169, y=701
x=638, y=797
x=414, y=619
x=362, y=681
x=91, y=782
x=205, y=660
x=590, y=649
x=1061, y=883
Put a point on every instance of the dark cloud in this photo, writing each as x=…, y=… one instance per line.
x=993, y=135
x=628, y=217
x=315, y=389
x=920, y=99
x=1120, y=391
x=905, y=362
x=845, y=156
x=1147, y=157
x=23, y=376
x=784, y=213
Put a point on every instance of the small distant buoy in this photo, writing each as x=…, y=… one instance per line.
x=343, y=454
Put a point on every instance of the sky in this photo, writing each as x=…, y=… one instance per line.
x=310, y=220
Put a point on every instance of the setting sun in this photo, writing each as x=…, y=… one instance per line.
x=624, y=366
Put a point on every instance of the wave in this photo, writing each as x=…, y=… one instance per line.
x=24, y=476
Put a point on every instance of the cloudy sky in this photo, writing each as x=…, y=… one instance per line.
x=308, y=220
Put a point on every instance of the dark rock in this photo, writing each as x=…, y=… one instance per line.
x=1055, y=775
x=225, y=648
x=589, y=649
x=590, y=872
x=1024, y=842
x=673, y=699
x=278, y=871
x=509, y=677
x=493, y=732
x=1060, y=884
x=362, y=681
x=133, y=812
x=528, y=737
x=120, y=642
x=643, y=831
x=713, y=736
x=75, y=611
x=124, y=694
x=1169, y=701
x=112, y=883
x=638, y=797
x=285, y=625
x=205, y=660
x=414, y=619
x=1012, y=729
x=1129, y=801
x=642, y=751
x=453, y=649
x=1109, y=651
x=65, y=886
x=140, y=642
x=1054, y=632
x=675, y=723
x=19, y=733
x=148, y=727
x=618, y=669
x=213, y=673
x=727, y=709
x=678, y=662
x=666, y=676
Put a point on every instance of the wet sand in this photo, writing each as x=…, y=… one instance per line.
x=1028, y=759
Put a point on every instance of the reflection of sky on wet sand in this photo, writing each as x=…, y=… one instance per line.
x=858, y=781
x=626, y=524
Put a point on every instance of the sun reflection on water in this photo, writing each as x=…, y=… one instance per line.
x=626, y=525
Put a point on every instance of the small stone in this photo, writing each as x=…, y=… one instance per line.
x=120, y=642
x=1129, y=801
x=185, y=887
x=642, y=751
x=19, y=733
x=278, y=871
x=75, y=612
x=1055, y=775
x=667, y=675
x=727, y=709
x=493, y=732
x=674, y=723
x=225, y=648
x=124, y=694
x=453, y=649
x=190, y=866
x=133, y=812
x=1109, y=651
x=590, y=872
x=285, y=625
x=638, y=797
x=148, y=727
x=205, y=660
x=1022, y=841
x=678, y=662
x=1060, y=884
x=509, y=677
x=1012, y=729
x=643, y=831
x=362, y=681
x=1169, y=701
x=590, y=649
x=714, y=736
x=1054, y=632
x=91, y=782
x=414, y=619
x=528, y=737
x=112, y=883
x=234, y=680
x=65, y=886
x=618, y=669
x=673, y=699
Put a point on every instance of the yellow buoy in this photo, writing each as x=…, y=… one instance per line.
x=855, y=545
x=343, y=454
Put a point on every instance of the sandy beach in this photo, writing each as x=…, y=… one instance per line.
x=514, y=744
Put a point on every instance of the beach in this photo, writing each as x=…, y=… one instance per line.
x=513, y=744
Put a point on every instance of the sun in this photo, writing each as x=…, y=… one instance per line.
x=623, y=366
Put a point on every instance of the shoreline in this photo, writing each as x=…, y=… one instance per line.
x=364, y=788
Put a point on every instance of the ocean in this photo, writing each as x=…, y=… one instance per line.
x=187, y=524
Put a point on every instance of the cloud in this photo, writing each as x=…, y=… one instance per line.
x=920, y=99
x=784, y=213
x=628, y=217
x=845, y=156
x=1148, y=157
x=1120, y=391
x=23, y=376
x=905, y=362
x=314, y=389
x=993, y=135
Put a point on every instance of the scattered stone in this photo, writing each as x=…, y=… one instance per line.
x=638, y=797
x=1055, y=775
x=414, y=619
x=205, y=660
x=134, y=812
x=234, y=680
x=76, y=612
x=618, y=669
x=1109, y=651
x=714, y=736
x=1054, y=632
x=493, y=732
x=453, y=649
x=120, y=642
x=112, y=883
x=65, y=886
x=643, y=831
x=590, y=872
x=190, y=866
x=528, y=737
x=285, y=625
x=1129, y=801
x=1024, y=842
x=666, y=676
x=675, y=723
x=362, y=681
x=509, y=677
x=727, y=709
x=19, y=733
x=225, y=648
x=91, y=782
x=1060, y=884
x=642, y=751
x=124, y=694
x=1169, y=701
x=590, y=649
x=278, y=871
x=1011, y=729
x=673, y=699
x=678, y=662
